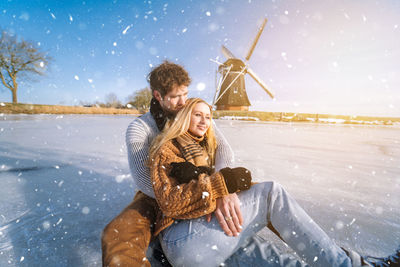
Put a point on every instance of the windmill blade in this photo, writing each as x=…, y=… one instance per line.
x=228, y=54
x=260, y=82
x=216, y=61
x=218, y=88
x=256, y=40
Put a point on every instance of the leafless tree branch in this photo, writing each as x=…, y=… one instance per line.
x=19, y=59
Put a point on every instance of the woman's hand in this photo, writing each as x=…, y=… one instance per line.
x=185, y=171
x=228, y=214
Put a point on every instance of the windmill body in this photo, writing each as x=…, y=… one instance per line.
x=235, y=98
x=231, y=90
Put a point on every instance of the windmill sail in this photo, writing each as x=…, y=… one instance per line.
x=260, y=82
x=256, y=40
x=228, y=54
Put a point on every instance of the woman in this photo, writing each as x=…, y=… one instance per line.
x=186, y=189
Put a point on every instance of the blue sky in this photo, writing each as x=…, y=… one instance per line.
x=339, y=57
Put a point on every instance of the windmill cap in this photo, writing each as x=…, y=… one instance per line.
x=237, y=64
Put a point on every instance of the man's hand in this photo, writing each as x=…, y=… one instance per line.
x=228, y=214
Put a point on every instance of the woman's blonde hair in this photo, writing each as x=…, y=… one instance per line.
x=180, y=125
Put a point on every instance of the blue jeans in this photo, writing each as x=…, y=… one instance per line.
x=199, y=243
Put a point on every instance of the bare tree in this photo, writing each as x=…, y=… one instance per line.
x=141, y=99
x=19, y=60
x=112, y=100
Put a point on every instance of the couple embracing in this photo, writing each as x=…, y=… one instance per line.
x=193, y=202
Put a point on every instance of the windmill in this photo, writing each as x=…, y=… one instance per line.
x=231, y=91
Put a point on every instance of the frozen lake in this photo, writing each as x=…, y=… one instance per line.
x=63, y=178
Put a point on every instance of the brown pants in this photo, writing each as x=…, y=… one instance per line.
x=126, y=238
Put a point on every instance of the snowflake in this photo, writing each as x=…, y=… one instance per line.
x=126, y=29
x=85, y=210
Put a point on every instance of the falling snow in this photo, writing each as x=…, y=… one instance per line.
x=200, y=86
x=85, y=210
x=205, y=195
x=347, y=177
x=126, y=29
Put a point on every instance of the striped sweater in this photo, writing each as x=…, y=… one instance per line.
x=140, y=134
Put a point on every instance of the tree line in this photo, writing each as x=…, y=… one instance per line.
x=21, y=61
x=139, y=100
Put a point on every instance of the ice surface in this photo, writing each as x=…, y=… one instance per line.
x=63, y=178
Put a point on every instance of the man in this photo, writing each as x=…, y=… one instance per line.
x=126, y=238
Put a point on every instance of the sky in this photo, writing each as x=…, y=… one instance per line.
x=317, y=56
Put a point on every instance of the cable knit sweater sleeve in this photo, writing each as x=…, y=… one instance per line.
x=224, y=156
x=183, y=201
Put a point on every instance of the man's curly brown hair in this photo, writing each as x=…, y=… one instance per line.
x=163, y=77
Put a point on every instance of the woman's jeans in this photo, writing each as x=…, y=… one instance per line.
x=199, y=243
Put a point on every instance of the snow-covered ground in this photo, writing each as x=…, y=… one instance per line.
x=63, y=178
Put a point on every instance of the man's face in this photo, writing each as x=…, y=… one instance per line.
x=174, y=100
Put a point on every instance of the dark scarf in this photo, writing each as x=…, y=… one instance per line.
x=192, y=149
x=159, y=115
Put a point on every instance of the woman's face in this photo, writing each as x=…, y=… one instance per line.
x=200, y=119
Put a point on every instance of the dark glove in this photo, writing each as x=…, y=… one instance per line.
x=236, y=179
x=204, y=169
x=186, y=171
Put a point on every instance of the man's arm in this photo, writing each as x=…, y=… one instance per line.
x=224, y=156
x=227, y=206
x=138, y=138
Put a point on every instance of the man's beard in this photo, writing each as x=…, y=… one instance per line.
x=170, y=113
x=160, y=114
